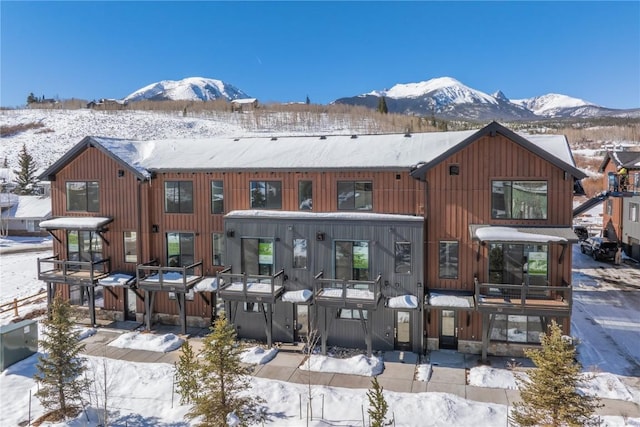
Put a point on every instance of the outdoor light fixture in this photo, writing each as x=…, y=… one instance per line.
x=231, y=233
x=320, y=236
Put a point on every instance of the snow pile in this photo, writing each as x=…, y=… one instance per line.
x=149, y=342
x=423, y=372
x=85, y=333
x=257, y=355
x=486, y=376
x=356, y=365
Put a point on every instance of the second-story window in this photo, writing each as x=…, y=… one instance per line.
x=83, y=196
x=266, y=194
x=355, y=195
x=217, y=197
x=178, y=197
x=519, y=199
x=305, y=195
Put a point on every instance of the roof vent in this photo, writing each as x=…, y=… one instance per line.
x=323, y=137
x=273, y=138
x=354, y=136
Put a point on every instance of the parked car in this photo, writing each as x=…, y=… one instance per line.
x=599, y=248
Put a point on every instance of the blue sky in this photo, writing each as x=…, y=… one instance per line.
x=285, y=51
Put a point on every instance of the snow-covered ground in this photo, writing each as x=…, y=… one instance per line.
x=606, y=300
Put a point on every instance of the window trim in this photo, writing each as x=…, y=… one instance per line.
x=353, y=183
x=395, y=253
x=135, y=246
x=265, y=182
x=634, y=212
x=294, y=265
x=457, y=273
x=512, y=216
x=86, y=204
x=302, y=202
x=213, y=204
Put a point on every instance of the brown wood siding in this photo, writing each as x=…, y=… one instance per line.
x=454, y=202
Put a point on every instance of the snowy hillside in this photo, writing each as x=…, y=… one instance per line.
x=550, y=104
x=189, y=89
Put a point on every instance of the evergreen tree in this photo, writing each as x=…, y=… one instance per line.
x=26, y=180
x=31, y=98
x=308, y=101
x=60, y=369
x=551, y=397
x=222, y=380
x=186, y=370
x=378, y=406
x=382, y=105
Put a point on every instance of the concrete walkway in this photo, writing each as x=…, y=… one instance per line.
x=449, y=371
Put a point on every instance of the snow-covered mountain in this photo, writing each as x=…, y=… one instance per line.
x=448, y=98
x=189, y=89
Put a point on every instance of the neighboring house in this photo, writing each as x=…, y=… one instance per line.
x=621, y=212
x=107, y=104
x=21, y=215
x=456, y=240
x=244, y=104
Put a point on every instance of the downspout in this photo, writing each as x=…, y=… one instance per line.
x=139, y=240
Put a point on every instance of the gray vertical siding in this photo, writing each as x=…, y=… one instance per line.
x=382, y=236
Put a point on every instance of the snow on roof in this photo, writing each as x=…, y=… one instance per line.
x=509, y=234
x=555, y=145
x=76, y=223
x=29, y=207
x=302, y=295
x=360, y=216
x=244, y=101
x=403, y=301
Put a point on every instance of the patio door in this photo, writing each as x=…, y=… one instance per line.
x=302, y=323
x=448, y=330
x=130, y=308
x=402, y=331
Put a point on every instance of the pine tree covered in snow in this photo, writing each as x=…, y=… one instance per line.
x=223, y=381
x=26, y=180
x=551, y=397
x=60, y=369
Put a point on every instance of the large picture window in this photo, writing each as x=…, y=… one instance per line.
x=178, y=197
x=305, y=195
x=355, y=195
x=448, y=255
x=83, y=196
x=266, y=194
x=85, y=246
x=515, y=264
x=217, y=197
x=517, y=329
x=352, y=260
x=519, y=199
x=180, y=249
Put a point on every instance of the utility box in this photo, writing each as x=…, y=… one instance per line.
x=17, y=342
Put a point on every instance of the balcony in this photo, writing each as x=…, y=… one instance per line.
x=151, y=277
x=250, y=287
x=85, y=273
x=353, y=294
x=523, y=299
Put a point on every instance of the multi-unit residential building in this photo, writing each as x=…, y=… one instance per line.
x=621, y=213
x=458, y=240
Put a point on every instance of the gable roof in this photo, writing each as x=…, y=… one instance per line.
x=628, y=159
x=553, y=148
x=334, y=152
x=29, y=207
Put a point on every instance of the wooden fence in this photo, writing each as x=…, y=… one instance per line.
x=22, y=302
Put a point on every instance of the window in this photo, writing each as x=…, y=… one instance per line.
x=355, y=195
x=517, y=328
x=217, y=197
x=218, y=248
x=609, y=207
x=403, y=257
x=130, y=247
x=519, y=199
x=178, y=197
x=633, y=212
x=180, y=249
x=266, y=194
x=257, y=256
x=516, y=264
x=305, y=195
x=448, y=255
x=84, y=246
x=352, y=314
x=299, y=253
x=454, y=170
x=352, y=260
x=83, y=196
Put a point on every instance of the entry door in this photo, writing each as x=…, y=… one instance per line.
x=130, y=309
x=448, y=330
x=302, y=323
x=403, y=330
